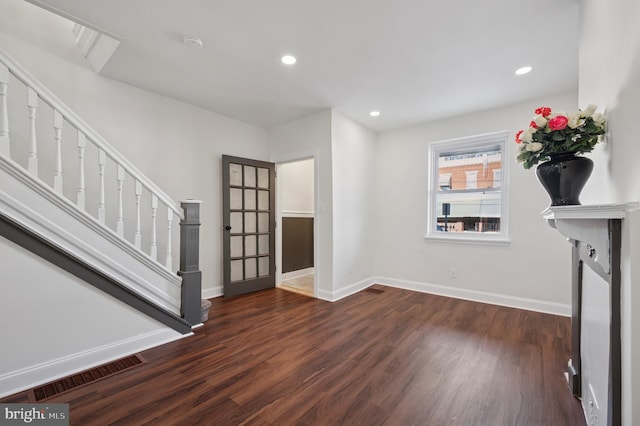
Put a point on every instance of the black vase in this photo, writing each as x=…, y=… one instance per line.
x=564, y=176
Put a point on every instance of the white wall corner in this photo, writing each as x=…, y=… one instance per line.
x=346, y=291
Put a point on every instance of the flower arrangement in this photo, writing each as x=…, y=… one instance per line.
x=557, y=133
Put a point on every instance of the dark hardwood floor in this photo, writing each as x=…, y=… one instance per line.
x=375, y=358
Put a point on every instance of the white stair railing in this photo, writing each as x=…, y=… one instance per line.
x=66, y=184
x=39, y=97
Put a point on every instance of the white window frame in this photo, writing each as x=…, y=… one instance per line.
x=462, y=144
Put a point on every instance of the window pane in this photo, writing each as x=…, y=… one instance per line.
x=236, y=223
x=263, y=200
x=263, y=266
x=249, y=199
x=466, y=196
x=250, y=248
x=235, y=174
x=251, y=268
x=468, y=212
x=263, y=244
x=249, y=222
x=237, y=249
x=235, y=199
x=468, y=168
x=263, y=178
x=236, y=270
x=263, y=222
x=250, y=176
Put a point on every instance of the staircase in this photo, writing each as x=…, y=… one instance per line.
x=67, y=195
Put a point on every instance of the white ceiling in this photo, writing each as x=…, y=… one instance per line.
x=414, y=60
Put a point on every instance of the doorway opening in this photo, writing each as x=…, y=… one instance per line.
x=296, y=237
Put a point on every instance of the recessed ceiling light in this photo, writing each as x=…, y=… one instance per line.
x=192, y=42
x=374, y=113
x=288, y=60
x=523, y=70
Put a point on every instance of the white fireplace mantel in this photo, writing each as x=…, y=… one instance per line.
x=590, y=225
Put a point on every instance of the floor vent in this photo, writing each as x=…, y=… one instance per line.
x=374, y=290
x=44, y=392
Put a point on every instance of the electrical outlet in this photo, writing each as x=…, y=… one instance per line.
x=452, y=273
x=592, y=410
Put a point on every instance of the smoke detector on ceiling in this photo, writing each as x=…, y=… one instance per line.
x=192, y=42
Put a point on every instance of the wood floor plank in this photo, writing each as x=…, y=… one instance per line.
x=389, y=357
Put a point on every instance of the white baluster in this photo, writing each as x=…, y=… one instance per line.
x=82, y=144
x=120, y=220
x=154, y=236
x=102, y=162
x=138, y=236
x=32, y=158
x=4, y=111
x=168, y=261
x=57, y=170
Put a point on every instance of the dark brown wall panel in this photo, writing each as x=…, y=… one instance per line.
x=297, y=243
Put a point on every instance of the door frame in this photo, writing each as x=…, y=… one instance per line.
x=279, y=161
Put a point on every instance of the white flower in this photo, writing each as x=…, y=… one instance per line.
x=589, y=110
x=522, y=148
x=598, y=118
x=540, y=121
x=534, y=146
x=575, y=120
x=527, y=135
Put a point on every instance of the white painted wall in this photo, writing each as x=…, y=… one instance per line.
x=353, y=155
x=297, y=187
x=608, y=70
x=53, y=321
x=176, y=144
x=311, y=137
x=533, y=271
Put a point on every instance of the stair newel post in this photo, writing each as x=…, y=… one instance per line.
x=32, y=158
x=138, y=235
x=190, y=263
x=4, y=111
x=153, y=252
x=81, y=196
x=168, y=261
x=57, y=170
x=120, y=219
x=102, y=162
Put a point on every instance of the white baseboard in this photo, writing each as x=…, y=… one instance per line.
x=297, y=274
x=346, y=291
x=26, y=378
x=479, y=296
x=210, y=293
x=457, y=293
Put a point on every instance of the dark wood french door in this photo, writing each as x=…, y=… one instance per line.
x=248, y=204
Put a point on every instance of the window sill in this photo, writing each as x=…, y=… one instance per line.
x=468, y=240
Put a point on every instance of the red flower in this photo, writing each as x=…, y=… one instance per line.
x=518, y=140
x=533, y=124
x=558, y=122
x=543, y=111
